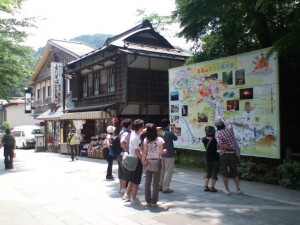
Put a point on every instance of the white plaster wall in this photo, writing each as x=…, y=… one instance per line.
x=15, y=116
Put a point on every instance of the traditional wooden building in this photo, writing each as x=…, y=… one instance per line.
x=45, y=106
x=126, y=78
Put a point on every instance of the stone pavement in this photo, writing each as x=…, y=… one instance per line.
x=49, y=189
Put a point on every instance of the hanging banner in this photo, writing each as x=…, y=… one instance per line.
x=56, y=81
x=28, y=102
x=241, y=88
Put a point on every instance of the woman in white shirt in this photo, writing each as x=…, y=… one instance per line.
x=153, y=148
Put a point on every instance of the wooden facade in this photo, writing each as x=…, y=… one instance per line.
x=45, y=108
x=127, y=77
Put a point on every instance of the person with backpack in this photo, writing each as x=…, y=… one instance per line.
x=168, y=159
x=124, y=137
x=9, y=143
x=73, y=141
x=110, y=153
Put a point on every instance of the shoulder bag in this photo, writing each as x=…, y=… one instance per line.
x=129, y=162
x=152, y=165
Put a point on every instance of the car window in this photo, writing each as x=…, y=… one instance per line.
x=17, y=133
x=37, y=131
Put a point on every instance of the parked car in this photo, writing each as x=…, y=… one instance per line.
x=25, y=135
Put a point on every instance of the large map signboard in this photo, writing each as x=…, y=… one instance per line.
x=241, y=88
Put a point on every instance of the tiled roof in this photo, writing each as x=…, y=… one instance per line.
x=74, y=48
x=14, y=101
x=129, y=40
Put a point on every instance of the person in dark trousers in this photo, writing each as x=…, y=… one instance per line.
x=152, y=150
x=228, y=159
x=168, y=159
x=135, y=151
x=212, y=158
x=123, y=173
x=73, y=142
x=9, y=143
x=109, y=153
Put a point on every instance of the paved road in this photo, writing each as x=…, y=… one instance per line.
x=49, y=189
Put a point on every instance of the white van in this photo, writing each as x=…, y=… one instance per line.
x=25, y=135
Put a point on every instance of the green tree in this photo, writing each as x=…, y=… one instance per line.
x=16, y=60
x=159, y=23
x=222, y=28
x=5, y=125
x=165, y=24
x=226, y=27
x=94, y=41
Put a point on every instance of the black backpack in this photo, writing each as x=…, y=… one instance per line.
x=8, y=141
x=116, y=145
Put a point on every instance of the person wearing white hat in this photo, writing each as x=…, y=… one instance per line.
x=109, y=156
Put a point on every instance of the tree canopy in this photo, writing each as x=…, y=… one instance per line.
x=226, y=27
x=223, y=28
x=15, y=59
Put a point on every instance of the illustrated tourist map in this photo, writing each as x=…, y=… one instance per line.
x=243, y=89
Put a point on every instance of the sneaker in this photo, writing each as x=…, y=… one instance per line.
x=154, y=204
x=168, y=190
x=206, y=188
x=135, y=200
x=148, y=203
x=226, y=191
x=213, y=189
x=122, y=191
x=239, y=192
x=110, y=177
x=76, y=158
x=126, y=198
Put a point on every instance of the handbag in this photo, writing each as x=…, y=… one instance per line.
x=129, y=162
x=152, y=165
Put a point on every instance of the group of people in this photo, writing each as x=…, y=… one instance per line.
x=220, y=155
x=149, y=142
x=144, y=142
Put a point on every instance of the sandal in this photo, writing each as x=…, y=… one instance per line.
x=168, y=190
x=206, y=188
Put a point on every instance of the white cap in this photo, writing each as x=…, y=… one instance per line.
x=110, y=129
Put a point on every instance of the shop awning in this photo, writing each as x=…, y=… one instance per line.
x=51, y=114
x=85, y=115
